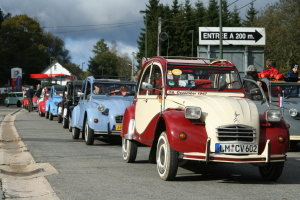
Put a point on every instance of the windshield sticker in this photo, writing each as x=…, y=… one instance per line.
x=170, y=76
x=184, y=92
x=171, y=83
x=176, y=72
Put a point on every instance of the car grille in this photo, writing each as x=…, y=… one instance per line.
x=236, y=133
x=119, y=118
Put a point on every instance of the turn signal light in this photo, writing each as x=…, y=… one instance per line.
x=182, y=136
x=281, y=139
x=95, y=120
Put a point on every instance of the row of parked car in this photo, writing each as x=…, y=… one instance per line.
x=183, y=109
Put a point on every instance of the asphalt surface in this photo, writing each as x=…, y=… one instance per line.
x=98, y=172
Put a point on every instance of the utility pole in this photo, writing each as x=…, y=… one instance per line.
x=221, y=31
x=158, y=36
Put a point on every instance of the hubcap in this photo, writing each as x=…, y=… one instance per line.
x=161, y=159
x=125, y=148
x=86, y=131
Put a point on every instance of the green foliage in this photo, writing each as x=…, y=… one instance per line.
x=24, y=44
x=250, y=16
x=181, y=23
x=282, y=22
x=106, y=61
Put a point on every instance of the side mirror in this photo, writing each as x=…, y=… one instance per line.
x=146, y=86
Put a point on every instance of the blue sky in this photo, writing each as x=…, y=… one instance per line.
x=81, y=23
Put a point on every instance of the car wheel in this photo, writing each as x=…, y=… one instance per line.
x=166, y=159
x=75, y=133
x=65, y=122
x=6, y=105
x=50, y=116
x=47, y=114
x=19, y=104
x=59, y=119
x=88, y=134
x=42, y=114
x=129, y=150
x=271, y=171
x=69, y=122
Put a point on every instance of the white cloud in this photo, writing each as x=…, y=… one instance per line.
x=80, y=40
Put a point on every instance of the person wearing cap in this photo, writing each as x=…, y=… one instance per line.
x=292, y=74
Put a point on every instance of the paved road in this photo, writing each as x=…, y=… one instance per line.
x=97, y=172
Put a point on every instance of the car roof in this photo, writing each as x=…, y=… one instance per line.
x=193, y=61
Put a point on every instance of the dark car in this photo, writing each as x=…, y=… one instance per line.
x=69, y=100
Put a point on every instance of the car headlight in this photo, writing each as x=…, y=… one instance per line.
x=101, y=108
x=273, y=115
x=192, y=112
x=293, y=112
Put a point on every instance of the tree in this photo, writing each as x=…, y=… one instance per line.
x=24, y=44
x=281, y=21
x=21, y=39
x=106, y=62
x=235, y=20
x=250, y=16
x=212, y=14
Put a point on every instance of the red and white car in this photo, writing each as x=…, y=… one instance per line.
x=197, y=110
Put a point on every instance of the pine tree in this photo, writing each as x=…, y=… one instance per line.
x=212, y=14
x=235, y=20
x=250, y=16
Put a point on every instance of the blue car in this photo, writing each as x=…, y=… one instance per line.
x=100, y=108
x=55, y=96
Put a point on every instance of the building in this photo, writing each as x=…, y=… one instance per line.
x=55, y=73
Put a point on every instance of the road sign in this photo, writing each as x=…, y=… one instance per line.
x=232, y=36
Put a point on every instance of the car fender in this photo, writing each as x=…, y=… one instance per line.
x=128, y=119
x=176, y=123
x=92, y=115
x=75, y=117
x=272, y=131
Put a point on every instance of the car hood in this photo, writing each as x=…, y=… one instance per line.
x=116, y=106
x=219, y=111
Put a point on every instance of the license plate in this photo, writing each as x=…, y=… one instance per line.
x=118, y=127
x=236, y=148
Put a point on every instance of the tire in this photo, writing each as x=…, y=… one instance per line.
x=6, y=105
x=166, y=159
x=50, y=116
x=59, y=119
x=19, y=104
x=41, y=114
x=65, y=122
x=89, y=134
x=47, y=113
x=271, y=171
x=69, y=122
x=129, y=150
x=75, y=133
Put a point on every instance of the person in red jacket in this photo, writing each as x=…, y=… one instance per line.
x=270, y=72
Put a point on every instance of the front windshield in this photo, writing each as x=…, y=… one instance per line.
x=285, y=90
x=194, y=78
x=123, y=89
x=59, y=91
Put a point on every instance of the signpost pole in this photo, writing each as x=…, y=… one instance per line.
x=221, y=32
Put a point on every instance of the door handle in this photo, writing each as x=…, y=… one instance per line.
x=146, y=100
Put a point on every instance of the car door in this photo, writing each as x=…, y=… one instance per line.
x=84, y=103
x=149, y=102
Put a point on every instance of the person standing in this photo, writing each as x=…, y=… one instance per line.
x=30, y=94
x=292, y=74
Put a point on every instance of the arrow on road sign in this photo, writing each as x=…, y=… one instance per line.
x=232, y=35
